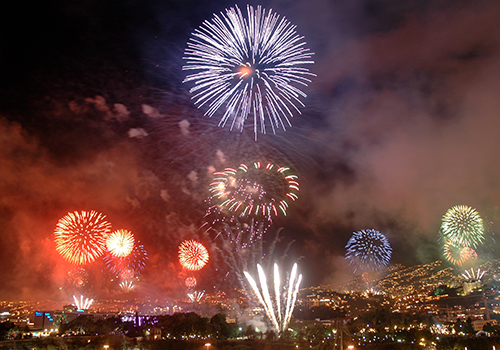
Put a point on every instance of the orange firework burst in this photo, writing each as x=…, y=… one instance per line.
x=458, y=253
x=80, y=237
x=120, y=243
x=193, y=255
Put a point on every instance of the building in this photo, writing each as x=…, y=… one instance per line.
x=478, y=325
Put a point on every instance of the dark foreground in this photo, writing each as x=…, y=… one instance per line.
x=124, y=343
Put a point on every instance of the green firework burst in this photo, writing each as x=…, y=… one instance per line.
x=463, y=225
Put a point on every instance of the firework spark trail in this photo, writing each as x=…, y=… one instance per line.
x=476, y=276
x=294, y=299
x=196, y=296
x=238, y=259
x=249, y=230
x=251, y=65
x=277, y=291
x=253, y=284
x=82, y=304
x=280, y=322
x=290, y=289
x=127, y=286
x=267, y=296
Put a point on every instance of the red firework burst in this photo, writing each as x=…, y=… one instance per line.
x=190, y=282
x=80, y=237
x=193, y=255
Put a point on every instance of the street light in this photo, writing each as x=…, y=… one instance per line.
x=208, y=345
x=350, y=347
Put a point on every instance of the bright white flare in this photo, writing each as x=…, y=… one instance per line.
x=280, y=311
x=120, y=243
x=473, y=275
x=253, y=65
x=127, y=286
x=196, y=296
x=82, y=304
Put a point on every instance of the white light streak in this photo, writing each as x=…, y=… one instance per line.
x=82, y=304
x=473, y=275
x=196, y=296
x=127, y=286
x=284, y=301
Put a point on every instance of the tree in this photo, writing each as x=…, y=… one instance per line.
x=250, y=332
x=5, y=327
x=220, y=328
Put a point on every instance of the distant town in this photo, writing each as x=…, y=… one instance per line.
x=422, y=307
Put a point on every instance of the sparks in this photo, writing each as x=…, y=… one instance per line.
x=473, y=275
x=252, y=66
x=120, y=243
x=368, y=250
x=196, y=296
x=463, y=225
x=127, y=286
x=80, y=237
x=82, y=304
x=279, y=311
x=193, y=255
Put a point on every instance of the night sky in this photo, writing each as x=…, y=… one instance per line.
x=401, y=123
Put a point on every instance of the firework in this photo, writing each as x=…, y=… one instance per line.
x=368, y=249
x=251, y=66
x=235, y=258
x=196, y=296
x=456, y=253
x=120, y=243
x=241, y=233
x=130, y=265
x=463, y=225
x=190, y=282
x=473, y=275
x=279, y=311
x=78, y=277
x=468, y=254
x=82, y=304
x=248, y=198
x=126, y=286
x=80, y=237
x=258, y=190
x=193, y=255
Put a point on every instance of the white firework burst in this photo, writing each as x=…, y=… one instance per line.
x=254, y=65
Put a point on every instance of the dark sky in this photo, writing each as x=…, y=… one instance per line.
x=401, y=123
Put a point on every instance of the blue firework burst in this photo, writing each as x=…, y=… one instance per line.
x=368, y=250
